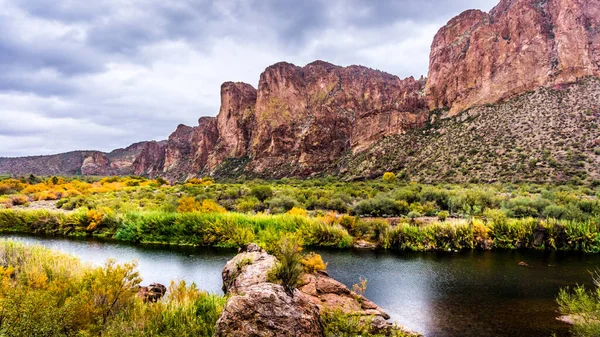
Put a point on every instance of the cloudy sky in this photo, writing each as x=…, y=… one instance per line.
x=103, y=74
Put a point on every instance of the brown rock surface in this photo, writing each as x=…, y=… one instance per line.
x=235, y=122
x=266, y=309
x=307, y=117
x=480, y=58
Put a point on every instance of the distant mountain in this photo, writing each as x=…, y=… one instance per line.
x=511, y=95
x=117, y=162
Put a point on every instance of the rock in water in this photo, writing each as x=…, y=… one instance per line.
x=258, y=308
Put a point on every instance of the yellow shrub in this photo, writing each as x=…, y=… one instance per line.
x=204, y=181
x=10, y=185
x=46, y=195
x=94, y=219
x=480, y=230
x=330, y=218
x=209, y=206
x=389, y=177
x=187, y=204
x=313, y=263
x=297, y=211
x=37, y=188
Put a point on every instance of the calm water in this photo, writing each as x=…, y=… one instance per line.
x=439, y=294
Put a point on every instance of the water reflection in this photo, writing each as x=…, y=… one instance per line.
x=439, y=294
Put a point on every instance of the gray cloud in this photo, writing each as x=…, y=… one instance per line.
x=106, y=73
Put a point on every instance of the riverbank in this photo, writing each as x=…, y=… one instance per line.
x=234, y=230
x=520, y=304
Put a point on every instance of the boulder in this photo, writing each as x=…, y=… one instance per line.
x=266, y=309
x=152, y=293
x=260, y=308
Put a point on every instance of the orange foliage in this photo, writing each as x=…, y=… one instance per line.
x=330, y=218
x=313, y=263
x=187, y=204
x=209, y=206
x=297, y=211
x=94, y=218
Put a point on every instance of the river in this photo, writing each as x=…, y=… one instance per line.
x=438, y=294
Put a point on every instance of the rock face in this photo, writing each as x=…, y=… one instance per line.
x=298, y=122
x=480, y=58
x=307, y=117
x=235, y=122
x=259, y=308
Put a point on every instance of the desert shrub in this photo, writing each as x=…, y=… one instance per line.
x=389, y=178
x=522, y=207
x=443, y=215
x=288, y=270
x=185, y=311
x=248, y=205
x=318, y=233
x=313, y=263
x=187, y=204
x=18, y=200
x=338, y=323
x=282, y=203
x=583, y=306
x=378, y=207
x=261, y=192
x=297, y=211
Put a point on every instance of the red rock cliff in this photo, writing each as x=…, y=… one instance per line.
x=307, y=117
x=520, y=45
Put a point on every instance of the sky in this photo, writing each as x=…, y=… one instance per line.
x=103, y=74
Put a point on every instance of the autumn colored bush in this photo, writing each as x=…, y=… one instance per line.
x=313, y=263
x=297, y=211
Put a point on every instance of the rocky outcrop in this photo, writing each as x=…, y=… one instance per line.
x=185, y=154
x=260, y=308
x=480, y=58
x=151, y=160
x=235, y=122
x=306, y=117
x=298, y=122
x=267, y=309
x=96, y=164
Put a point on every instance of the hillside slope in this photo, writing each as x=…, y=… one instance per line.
x=548, y=135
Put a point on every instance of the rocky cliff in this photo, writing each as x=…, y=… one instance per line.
x=327, y=119
x=298, y=122
x=480, y=58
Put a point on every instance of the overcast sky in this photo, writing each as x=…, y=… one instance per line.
x=102, y=74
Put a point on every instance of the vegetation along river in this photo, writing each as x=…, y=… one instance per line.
x=438, y=294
